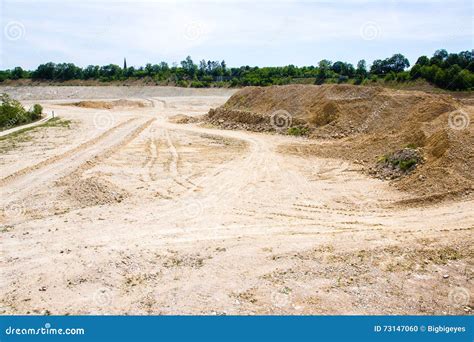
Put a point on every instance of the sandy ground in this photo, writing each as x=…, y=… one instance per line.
x=124, y=212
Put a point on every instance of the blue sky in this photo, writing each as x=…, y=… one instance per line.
x=263, y=33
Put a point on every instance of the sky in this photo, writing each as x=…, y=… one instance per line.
x=255, y=33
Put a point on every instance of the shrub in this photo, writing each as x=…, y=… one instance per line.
x=37, y=110
x=13, y=114
x=182, y=83
x=342, y=79
x=404, y=160
x=397, y=164
x=297, y=131
x=197, y=84
x=407, y=164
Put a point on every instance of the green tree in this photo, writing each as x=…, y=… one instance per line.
x=324, y=68
x=44, y=71
x=423, y=60
x=189, y=67
x=17, y=73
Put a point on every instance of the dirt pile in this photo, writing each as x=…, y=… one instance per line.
x=108, y=104
x=397, y=164
x=94, y=191
x=184, y=119
x=329, y=110
x=365, y=124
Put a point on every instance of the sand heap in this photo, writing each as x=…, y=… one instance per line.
x=94, y=191
x=108, y=104
x=364, y=124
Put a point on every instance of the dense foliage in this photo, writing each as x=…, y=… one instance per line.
x=13, y=114
x=454, y=71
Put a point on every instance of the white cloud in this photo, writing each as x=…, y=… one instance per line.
x=104, y=31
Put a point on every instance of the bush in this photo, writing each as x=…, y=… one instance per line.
x=13, y=114
x=38, y=110
x=197, y=84
x=298, y=131
x=405, y=165
x=397, y=164
x=342, y=79
x=404, y=160
x=182, y=83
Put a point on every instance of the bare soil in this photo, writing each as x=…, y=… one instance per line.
x=365, y=124
x=124, y=212
x=108, y=104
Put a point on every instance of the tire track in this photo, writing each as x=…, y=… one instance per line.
x=173, y=165
x=50, y=172
x=54, y=159
x=88, y=164
x=154, y=158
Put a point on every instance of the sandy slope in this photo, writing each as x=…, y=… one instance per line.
x=145, y=216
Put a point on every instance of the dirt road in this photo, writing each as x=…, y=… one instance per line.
x=127, y=213
x=18, y=128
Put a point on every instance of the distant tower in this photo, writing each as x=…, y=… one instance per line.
x=124, y=64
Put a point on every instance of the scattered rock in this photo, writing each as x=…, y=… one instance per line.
x=397, y=164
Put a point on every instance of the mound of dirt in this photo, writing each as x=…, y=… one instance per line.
x=397, y=164
x=108, y=104
x=94, y=191
x=369, y=123
x=329, y=110
x=184, y=119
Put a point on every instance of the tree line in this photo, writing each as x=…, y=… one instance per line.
x=453, y=71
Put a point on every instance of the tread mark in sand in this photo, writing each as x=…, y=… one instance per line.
x=64, y=155
x=173, y=166
x=88, y=164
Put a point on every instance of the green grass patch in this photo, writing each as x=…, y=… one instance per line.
x=11, y=141
x=404, y=160
x=54, y=122
x=298, y=131
x=405, y=165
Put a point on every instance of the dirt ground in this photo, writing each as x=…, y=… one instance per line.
x=120, y=211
